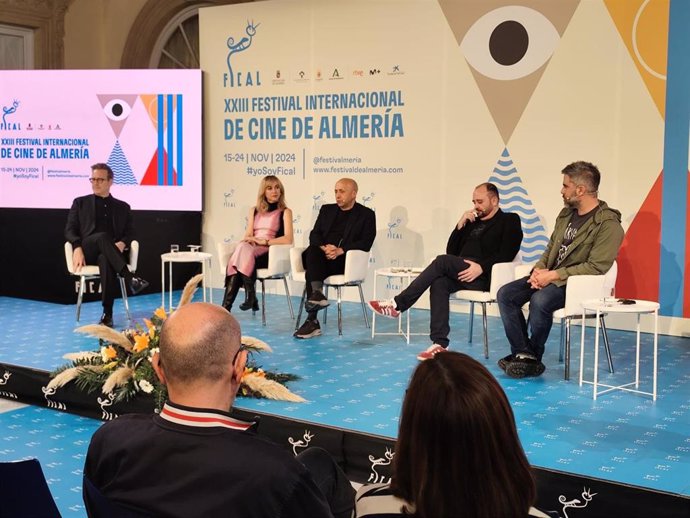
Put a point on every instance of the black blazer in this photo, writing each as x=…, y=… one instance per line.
x=359, y=233
x=500, y=241
x=81, y=221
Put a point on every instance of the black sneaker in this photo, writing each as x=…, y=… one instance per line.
x=503, y=362
x=525, y=368
x=137, y=285
x=317, y=301
x=309, y=329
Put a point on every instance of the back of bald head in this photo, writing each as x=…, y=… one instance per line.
x=198, y=343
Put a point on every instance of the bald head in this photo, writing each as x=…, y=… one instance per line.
x=198, y=343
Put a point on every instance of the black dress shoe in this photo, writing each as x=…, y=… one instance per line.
x=137, y=285
x=106, y=320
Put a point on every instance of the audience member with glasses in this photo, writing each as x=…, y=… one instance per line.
x=99, y=227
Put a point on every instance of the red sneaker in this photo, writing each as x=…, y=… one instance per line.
x=385, y=308
x=431, y=352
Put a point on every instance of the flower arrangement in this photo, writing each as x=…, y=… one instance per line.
x=123, y=364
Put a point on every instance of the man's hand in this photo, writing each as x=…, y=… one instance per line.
x=332, y=251
x=541, y=277
x=473, y=271
x=78, y=259
x=121, y=246
x=468, y=216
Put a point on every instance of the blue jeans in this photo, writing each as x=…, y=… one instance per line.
x=542, y=304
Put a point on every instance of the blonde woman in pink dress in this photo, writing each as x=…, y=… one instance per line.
x=269, y=223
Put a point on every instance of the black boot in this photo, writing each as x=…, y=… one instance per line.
x=232, y=286
x=250, y=301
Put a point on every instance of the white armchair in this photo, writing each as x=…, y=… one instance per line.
x=356, y=269
x=501, y=273
x=90, y=272
x=278, y=268
x=579, y=289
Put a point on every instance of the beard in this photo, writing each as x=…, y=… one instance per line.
x=571, y=203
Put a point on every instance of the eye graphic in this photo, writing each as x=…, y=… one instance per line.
x=117, y=109
x=509, y=43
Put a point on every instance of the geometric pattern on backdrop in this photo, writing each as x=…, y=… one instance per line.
x=507, y=48
x=165, y=113
x=515, y=198
x=122, y=171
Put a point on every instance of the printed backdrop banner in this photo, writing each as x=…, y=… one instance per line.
x=420, y=101
x=145, y=124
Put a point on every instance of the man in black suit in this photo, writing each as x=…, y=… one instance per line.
x=341, y=226
x=484, y=236
x=100, y=230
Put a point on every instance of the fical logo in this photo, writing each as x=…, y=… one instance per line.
x=237, y=78
x=228, y=201
x=9, y=110
x=392, y=225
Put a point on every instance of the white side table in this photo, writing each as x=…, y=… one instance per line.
x=612, y=305
x=406, y=274
x=185, y=257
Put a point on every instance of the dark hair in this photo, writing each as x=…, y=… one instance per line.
x=491, y=189
x=584, y=173
x=458, y=451
x=106, y=167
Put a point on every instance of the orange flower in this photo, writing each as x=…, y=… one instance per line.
x=108, y=353
x=141, y=342
x=149, y=324
x=160, y=313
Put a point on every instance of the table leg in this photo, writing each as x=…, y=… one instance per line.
x=373, y=313
x=582, y=346
x=210, y=279
x=170, y=286
x=656, y=336
x=163, y=284
x=203, y=278
x=596, y=357
x=637, y=354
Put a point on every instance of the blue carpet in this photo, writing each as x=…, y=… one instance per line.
x=357, y=382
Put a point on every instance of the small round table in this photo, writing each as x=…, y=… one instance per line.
x=613, y=305
x=406, y=274
x=185, y=257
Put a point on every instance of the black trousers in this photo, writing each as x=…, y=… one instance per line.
x=330, y=479
x=318, y=267
x=442, y=277
x=100, y=249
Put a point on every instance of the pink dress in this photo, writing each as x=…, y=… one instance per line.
x=243, y=259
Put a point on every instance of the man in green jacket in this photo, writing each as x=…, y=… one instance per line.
x=585, y=241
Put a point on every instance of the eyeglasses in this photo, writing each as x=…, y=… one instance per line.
x=98, y=180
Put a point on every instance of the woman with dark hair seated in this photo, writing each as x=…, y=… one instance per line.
x=458, y=453
x=269, y=223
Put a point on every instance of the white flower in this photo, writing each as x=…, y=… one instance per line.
x=145, y=386
x=152, y=352
x=104, y=355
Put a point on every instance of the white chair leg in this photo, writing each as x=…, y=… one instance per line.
x=325, y=310
x=567, y=348
x=339, y=289
x=263, y=302
x=301, y=305
x=486, y=331
x=289, y=299
x=606, y=343
x=561, y=345
x=125, y=300
x=82, y=284
x=471, y=326
x=364, y=307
